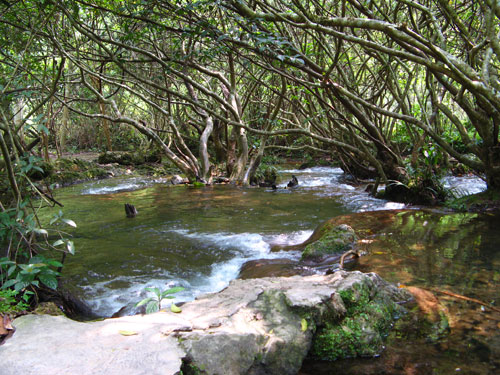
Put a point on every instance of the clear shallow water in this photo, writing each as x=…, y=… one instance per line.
x=197, y=238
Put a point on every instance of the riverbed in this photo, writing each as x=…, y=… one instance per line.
x=198, y=238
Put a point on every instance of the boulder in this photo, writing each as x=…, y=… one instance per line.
x=333, y=240
x=178, y=180
x=257, y=326
x=265, y=176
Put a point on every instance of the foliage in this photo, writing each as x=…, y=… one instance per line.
x=21, y=276
x=153, y=304
x=10, y=304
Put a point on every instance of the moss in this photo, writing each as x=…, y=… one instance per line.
x=130, y=158
x=333, y=240
x=47, y=169
x=362, y=331
x=188, y=368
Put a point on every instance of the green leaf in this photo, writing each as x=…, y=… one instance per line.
x=152, y=307
x=70, y=222
x=5, y=260
x=143, y=302
x=49, y=281
x=57, y=243
x=154, y=290
x=9, y=283
x=11, y=270
x=54, y=263
x=40, y=231
x=172, y=291
x=303, y=325
x=71, y=247
x=19, y=285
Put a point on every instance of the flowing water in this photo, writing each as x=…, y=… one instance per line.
x=199, y=238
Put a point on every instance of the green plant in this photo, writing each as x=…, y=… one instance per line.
x=21, y=276
x=25, y=269
x=153, y=304
x=9, y=304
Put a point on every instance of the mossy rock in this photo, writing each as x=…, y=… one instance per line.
x=47, y=169
x=362, y=332
x=266, y=175
x=333, y=240
x=48, y=308
x=488, y=200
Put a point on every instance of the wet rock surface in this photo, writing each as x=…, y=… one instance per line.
x=334, y=240
x=257, y=326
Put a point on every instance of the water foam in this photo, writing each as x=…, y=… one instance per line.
x=106, y=299
x=115, y=186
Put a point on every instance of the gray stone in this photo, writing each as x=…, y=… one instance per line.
x=257, y=326
x=178, y=180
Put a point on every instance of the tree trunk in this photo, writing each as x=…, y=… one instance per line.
x=205, y=162
x=239, y=167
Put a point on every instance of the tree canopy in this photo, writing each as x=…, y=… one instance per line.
x=393, y=89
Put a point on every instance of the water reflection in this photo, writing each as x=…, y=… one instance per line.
x=455, y=253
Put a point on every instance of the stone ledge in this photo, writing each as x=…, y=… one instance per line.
x=252, y=327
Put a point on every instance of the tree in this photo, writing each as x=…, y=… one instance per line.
x=378, y=63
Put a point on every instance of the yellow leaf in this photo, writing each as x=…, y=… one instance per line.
x=127, y=333
x=303, y=325
x=378, y=252
x=175, y=309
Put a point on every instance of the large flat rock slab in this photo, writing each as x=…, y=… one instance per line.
x=257, y=326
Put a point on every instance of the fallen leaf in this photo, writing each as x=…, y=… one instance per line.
x=175, y=309
x=127, y=333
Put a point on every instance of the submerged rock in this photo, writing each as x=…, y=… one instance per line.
x=282, y=267
x=333, y=240
x=257, y=326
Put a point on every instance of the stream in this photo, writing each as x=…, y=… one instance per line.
x=199, y=238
